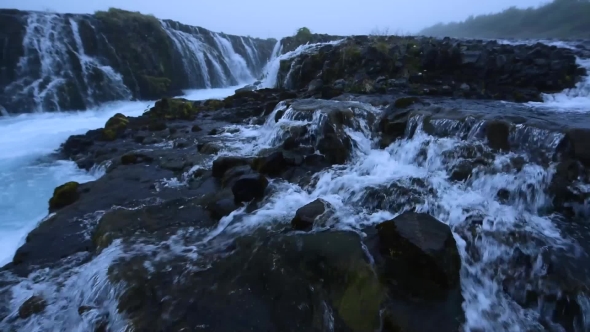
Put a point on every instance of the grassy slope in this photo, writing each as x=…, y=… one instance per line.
x=563, y=19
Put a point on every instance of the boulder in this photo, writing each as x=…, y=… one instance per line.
x=114, y=127
x=420, y=255
x=222, y=164
x=249, y=187
x=64, y=195
x=497, y=133
x=34, y=305
x=273, y=164
x=209, y=148
x=307, y=215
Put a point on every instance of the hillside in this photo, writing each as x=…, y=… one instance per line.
x=562, y=19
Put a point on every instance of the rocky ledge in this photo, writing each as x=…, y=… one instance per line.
x=191, y=220
x=471, y=69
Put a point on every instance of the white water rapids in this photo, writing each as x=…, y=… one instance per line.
x=29, y=178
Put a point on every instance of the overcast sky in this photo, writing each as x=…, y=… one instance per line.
x=279, y=18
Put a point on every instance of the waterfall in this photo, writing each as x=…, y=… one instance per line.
x=55, y=70
x=236, y=63
x=76, y=62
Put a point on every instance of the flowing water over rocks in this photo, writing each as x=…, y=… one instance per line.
x=321, y=208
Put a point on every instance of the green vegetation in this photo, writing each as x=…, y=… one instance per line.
x=564, y=19
x=121, y=17
x=303, y=35
x=64, y=195
x=143, y=52
x=115, y=126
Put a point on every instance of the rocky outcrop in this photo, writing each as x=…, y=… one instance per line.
x=114, y=55
x=435, y=67
x=198, y=222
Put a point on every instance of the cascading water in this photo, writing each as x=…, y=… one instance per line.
x=46, y=73
x=503, y=239
x=252, y=55
x=271, y=70
x=191, y=47
x=238, y=67
x=493, y=233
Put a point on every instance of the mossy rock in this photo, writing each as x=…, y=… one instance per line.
x=214, y=104
x=360, y=303
x=64, y=195
x=173, y=109
x=114, y=126
x=155, y=87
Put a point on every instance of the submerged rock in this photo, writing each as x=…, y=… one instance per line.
x=34, y=305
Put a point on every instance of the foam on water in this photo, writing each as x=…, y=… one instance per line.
x=485, y=266
x=28, y=176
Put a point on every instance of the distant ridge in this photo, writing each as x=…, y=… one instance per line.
x=561, y=19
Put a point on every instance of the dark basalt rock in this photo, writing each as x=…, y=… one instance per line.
x=34, y=305
x=222, y=164
x=497, y=134
x=422, y=247
x=249, y=187
x=417, y=258
x=306, y=216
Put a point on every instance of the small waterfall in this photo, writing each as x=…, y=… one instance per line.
x=43, y=68
x=55, y=71
x=195, y=55
x=90, y=64
x=253, y=57
x=272, y=68
x=236, y=63
x=575, y=99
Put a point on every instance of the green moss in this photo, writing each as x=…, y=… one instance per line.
x=303, y=35
x=361, y=300
x=351, y=53
x=64, y=195
x=141, y=51
x=114, y=127
x=173, y=109
x=156, y=86
x=382, y=47
x=214, y=104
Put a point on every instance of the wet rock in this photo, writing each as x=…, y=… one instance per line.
x=209, y=148
x=298, y=278
x=135, y=158
x=405, y=102
x=153, y=220
x=462, y=171
x=422, y=247
x=307, y=215
x=249, y=187
x=222, y=164
x=272, y=165
x=195, y=128
x=576, y=144
x=315, y=85
x=32, y=306
x=64, y=195
x=182, y=143
x=174, y=164
x=503, y=195
x=497, y=134
x=114, y=127
x=417, y=258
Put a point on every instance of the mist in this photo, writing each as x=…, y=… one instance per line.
x=266, y=18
